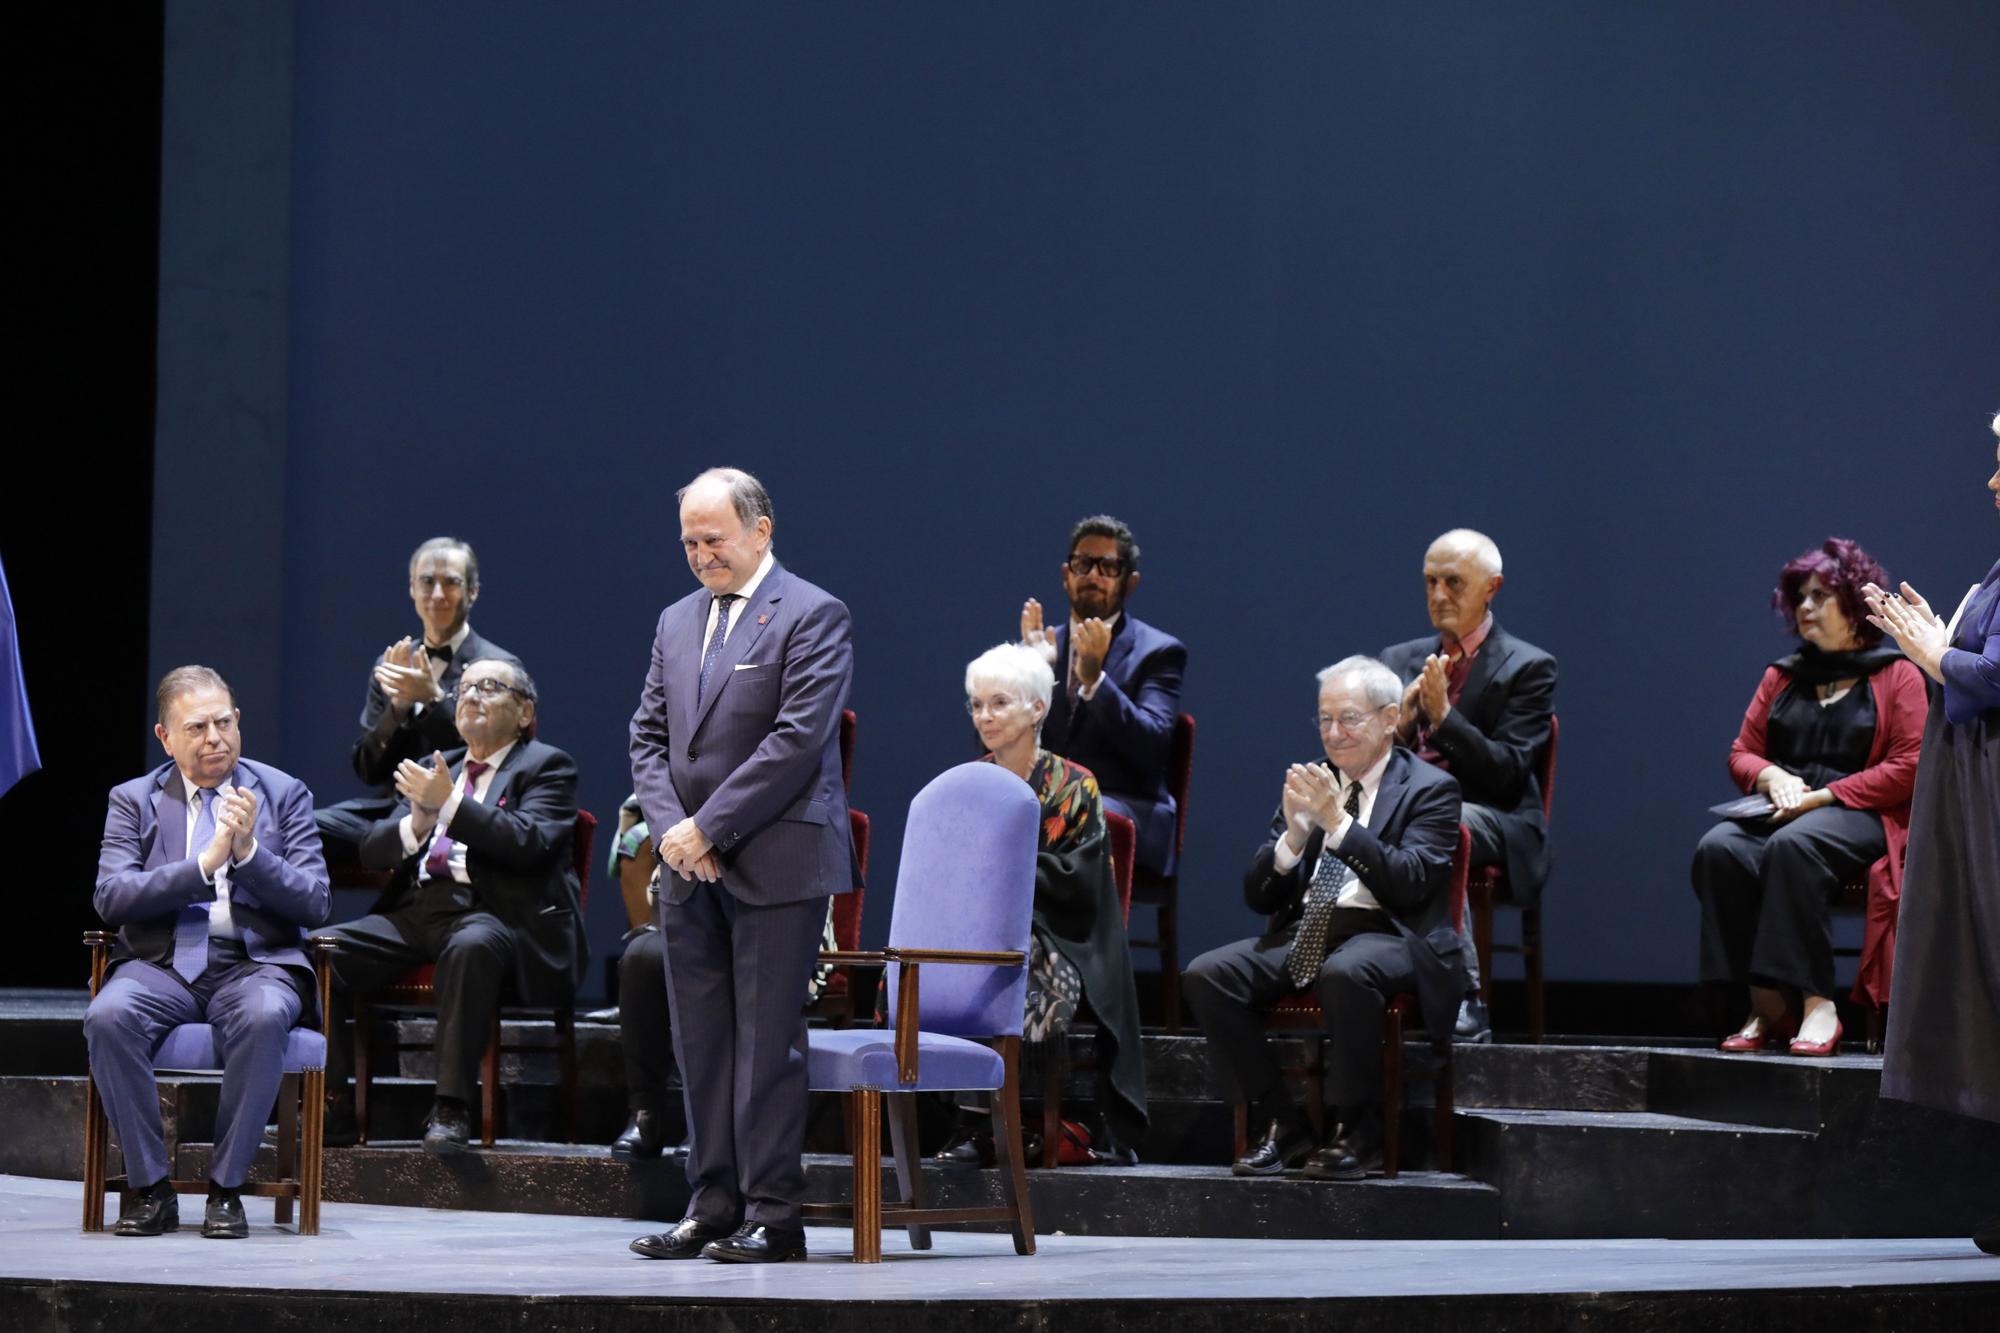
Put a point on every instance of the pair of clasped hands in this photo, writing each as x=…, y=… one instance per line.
x=404, y=674
x=235, y=829
x=1087, y=649
x=1311, y=799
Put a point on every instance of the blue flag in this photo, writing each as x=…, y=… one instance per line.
x=18, y=755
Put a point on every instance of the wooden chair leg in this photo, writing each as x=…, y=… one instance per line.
x=288, y=1143
x=1444, y=1098
x=1392, y=1094
x=1531, y=962
x=1482, y=941
x=1170, y=959
x=1241, y=1117
x=489, y=1085
x=96, y=1147
x=1007, y=1146
x=867, y=1175
x=1054, y=1051
x=364, y=1023
x=566, y=1058
x=311, y=1159
x=909, y=1171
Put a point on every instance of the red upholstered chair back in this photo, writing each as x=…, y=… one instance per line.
x=847, y=906
x=1180, y=776
x=581, y=840
x=848, y=726
x=1124, y=838
x=1545, y=767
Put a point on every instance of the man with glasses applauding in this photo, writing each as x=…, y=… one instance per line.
x=1118, y=685
x=1354, y=879
x=408, y=713
x=485, y=887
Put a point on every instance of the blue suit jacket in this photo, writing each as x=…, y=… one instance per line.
x=1124, y=734
x=145, y=876
x=757, y=760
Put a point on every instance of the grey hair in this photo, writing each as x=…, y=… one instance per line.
x=440, y=545
x=747, y=493
x=1483, y=547
x=1383, y=686
x=186, y=680
x=1013, y=666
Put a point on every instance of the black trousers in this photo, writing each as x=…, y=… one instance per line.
x=474, y=953
x=645, y=1021
x=1764, y=893
x=1230, y=988
x=344, y=824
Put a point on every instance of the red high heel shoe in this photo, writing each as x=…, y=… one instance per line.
x=1773, y=1035
x=1827, y=1047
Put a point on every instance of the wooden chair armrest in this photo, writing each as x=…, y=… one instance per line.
x=99, y=944
x=853, y=957
x=323, y=949
x=988, y=958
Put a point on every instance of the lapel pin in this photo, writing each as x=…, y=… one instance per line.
x=761, y=619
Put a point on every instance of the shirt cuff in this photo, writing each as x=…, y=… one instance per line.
x=1088, y=692
x=1284, y=858
x=410, y=843
x=247, y=855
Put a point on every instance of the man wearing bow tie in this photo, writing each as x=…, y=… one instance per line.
x=1353, y=878
x=1477, y=703
x=407, y=713
x=736, y=760
x=485, y=887
x=211, y=871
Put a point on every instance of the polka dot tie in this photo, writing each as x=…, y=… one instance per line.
x=1329, y=878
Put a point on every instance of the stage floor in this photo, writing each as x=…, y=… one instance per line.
x=364, y=1248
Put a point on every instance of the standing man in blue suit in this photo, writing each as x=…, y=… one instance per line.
x=1119, y=685
x=211, y=871
x=736, y=760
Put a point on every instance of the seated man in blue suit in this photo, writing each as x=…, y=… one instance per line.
x=211, y=871
x=1118, y=685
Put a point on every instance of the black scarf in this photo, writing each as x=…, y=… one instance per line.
x=1812, y=666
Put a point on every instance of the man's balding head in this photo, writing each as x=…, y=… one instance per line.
x=1462, y=573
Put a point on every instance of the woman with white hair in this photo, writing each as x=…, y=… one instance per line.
x=1078, y=955
x=1944, y=1028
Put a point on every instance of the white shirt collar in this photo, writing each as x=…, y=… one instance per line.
x=456, y=641
x=492, y=761
x=1372, y=779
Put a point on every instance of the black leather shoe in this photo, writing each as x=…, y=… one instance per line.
x=449, y=1130
x=1473, y=1024
x=1353, y=1155
x=1282, y=1148
x=644, y=1136
x=683, y=1240
x=969, y=1151
x=755, y=1243
x=223, y=1218
x=151, y=1212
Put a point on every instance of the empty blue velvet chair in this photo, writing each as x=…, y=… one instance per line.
x=957, y=984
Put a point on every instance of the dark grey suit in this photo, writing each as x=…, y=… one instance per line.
x=1403, y=857
x=756, y=762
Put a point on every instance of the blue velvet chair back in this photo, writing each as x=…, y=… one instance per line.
x=966, y=880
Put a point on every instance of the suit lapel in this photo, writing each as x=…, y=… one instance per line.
x=748, y=627
x=1493, y=655
x=170, y=817
x=1389, y=795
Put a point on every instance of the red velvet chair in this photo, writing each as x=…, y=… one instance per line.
x=1487, y=889
x=414, y=990
x=1300, y=1011
x=1162, y=892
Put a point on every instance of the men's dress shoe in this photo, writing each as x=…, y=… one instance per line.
x=644, y=1136
x=150, y=1213
x=223, y=1218
x=1354, y=1152
x=449, y=1130
x=1281, y=1149
x=755, y=1243
x=1827, y=1047
x=1473, y=1024
x=683, y=1240
x=969, y=1151
x=1114, y=1153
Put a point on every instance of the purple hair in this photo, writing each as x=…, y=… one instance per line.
x=1843, y=567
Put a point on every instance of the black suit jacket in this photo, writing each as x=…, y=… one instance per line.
x=1124, y=735
x=1491, y=740
x=1403, y=857
x=385, y=741
x=518, y=852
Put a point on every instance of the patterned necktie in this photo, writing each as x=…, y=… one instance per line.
x=191, y=926
x=438, y=863
x=1331, y=875
x=722, y=605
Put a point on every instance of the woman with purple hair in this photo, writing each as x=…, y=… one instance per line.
x=1944, y=1033
x=1830, y=741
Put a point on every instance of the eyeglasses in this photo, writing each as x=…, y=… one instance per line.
x=1349, y=720
x=995, y=706
x=1110, y=566
x=486, y=687
x=430, y=582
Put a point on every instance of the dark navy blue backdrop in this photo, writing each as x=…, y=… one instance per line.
x=1657, y=295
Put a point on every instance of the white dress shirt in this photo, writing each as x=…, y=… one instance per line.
x=1353, y=893
x=220, y=922
x=480, y=786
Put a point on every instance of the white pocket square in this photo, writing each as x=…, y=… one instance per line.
x=747, y=666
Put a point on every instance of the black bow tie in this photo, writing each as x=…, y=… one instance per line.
x=438, y=654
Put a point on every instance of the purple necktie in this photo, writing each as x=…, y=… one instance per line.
x=438, y=863
x=714, y=644
x=191, y=927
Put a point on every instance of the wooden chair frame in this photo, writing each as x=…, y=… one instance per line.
x=301, y=1120
x=866, y=1212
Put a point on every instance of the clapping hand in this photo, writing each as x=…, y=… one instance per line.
x=1434, y=689
x=426, y=789
x=1318, y=790
x=1033, y=634
x=237, y=814
x=1090, y=641
x=404, y=674
x=1909, y=620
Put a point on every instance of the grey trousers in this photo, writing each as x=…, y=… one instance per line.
x=253, y=1007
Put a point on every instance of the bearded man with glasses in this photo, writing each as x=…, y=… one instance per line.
x=485, y=887
x=1118, y=685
